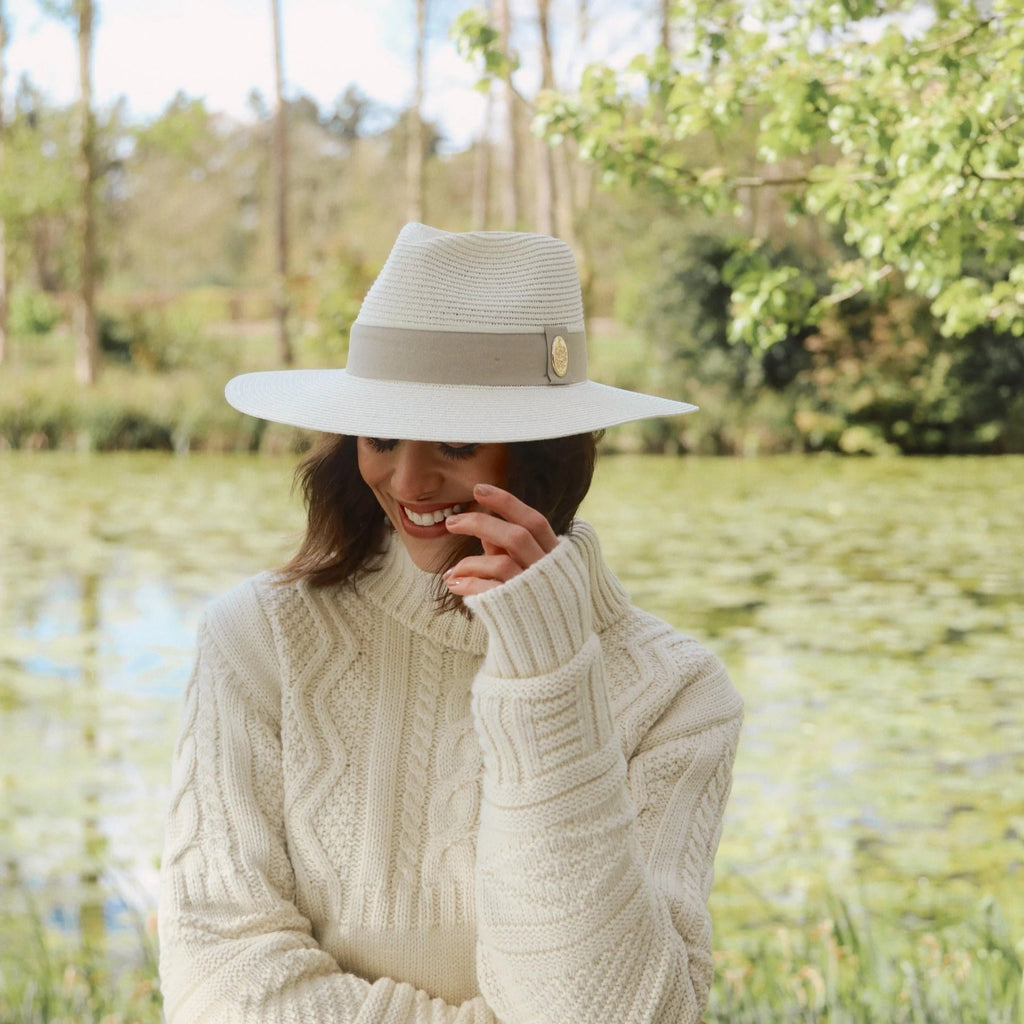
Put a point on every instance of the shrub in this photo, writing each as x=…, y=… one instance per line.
x=33, y=313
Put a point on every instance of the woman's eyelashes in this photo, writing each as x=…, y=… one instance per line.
x=458, y=451
x=449, y=451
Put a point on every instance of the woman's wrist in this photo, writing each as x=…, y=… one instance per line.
x=538, y=620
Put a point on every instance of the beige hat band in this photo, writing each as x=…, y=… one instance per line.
x=553, y=355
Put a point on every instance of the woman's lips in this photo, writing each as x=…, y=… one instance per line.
x=429, y=519
x=430, y=516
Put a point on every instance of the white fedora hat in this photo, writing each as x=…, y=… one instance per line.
x=469, y=337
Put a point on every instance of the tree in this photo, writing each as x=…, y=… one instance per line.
x=4, y=343
x=87, y=349
x=477, y=40
x=482, y=168
x=38, y=197
x=510, y=204
x=189, y=207
x=414, y=148
x=81, y=14
x=900, y=125
x=352, y=109
x=284, y=345
x=547, y=197
x=563, y=183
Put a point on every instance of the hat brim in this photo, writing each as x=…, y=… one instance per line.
x=336, y=402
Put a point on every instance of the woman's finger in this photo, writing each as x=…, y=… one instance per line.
x=465, y=586
x=513, y=510
x=498, y=536
x=499, y=567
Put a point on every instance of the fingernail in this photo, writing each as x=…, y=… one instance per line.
x=455, y=581
x=483, y=489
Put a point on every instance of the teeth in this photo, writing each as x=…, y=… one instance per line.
x=430, y=518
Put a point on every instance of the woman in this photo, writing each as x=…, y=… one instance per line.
x=438, y=768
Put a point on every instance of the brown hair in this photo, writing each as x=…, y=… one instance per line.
x=346, y=527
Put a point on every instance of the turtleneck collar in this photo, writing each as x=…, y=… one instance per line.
x=401, y=589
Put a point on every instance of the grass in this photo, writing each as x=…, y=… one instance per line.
x=161, y=387
x=179, y=407
x=47, y=977
x=845, y=967
x=842, y=967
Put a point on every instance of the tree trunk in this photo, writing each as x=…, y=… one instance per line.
x=582, y=23
x=482, y=169
x=280, y=161
x=577, y=180
x=547, y=197
x=510, y=168
x=87, y=349
x=414, y=153
x=4, y=339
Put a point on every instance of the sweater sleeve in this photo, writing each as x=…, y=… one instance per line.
x=234, y=947
x=593, y=875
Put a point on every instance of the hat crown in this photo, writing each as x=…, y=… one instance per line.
x=476, y=336
x=477, y=281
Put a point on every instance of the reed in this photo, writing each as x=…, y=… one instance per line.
x=842, y=967
x=48, y=975
x=847, y=967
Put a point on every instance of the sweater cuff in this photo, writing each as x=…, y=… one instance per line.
x=537, y=620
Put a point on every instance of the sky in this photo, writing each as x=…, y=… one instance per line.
x=221, y=50
x=147, y=50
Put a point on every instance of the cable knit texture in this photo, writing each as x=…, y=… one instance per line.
x=383, y=815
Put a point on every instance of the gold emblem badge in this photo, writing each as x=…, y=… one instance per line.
x=559, y=356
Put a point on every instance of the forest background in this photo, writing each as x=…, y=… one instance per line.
x=808, y=220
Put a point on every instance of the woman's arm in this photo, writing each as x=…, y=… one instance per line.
x=234, y=946
x=593, y=877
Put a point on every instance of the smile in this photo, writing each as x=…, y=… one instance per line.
x=431, y=518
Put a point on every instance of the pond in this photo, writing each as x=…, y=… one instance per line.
x=870, y=611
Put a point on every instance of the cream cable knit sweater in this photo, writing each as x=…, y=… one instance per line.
x=382, y=815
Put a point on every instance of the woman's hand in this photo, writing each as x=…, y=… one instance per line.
x=513, y=535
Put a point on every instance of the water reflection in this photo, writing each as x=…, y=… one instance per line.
x=140, y=626
x=102, y=577
x=873, y=616
x=871, y=613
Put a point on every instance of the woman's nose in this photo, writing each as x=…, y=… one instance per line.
x=416, y=473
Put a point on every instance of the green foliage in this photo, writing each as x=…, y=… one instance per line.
x=811, y=142
x=350, y=113
x=884, y=377
x=865, y=377
x=682, y=303
x=38, y=192
x=901, y=125
x=33, y=313
x=182, y=410
x=768, y=302
x=339, y=293
x=478, y=41
x=156, y=336
x=182, y=132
